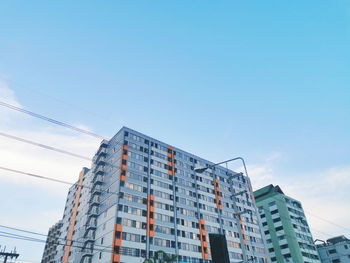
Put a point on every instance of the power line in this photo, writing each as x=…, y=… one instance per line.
x=22, y=230
x=44, y=146
x=38, y=176
x=28, y=238
x=330, y=222
x=25, y=238
x=72, y=184
x=42, y=117
x=26, y=261
x=39, y=234
x=69, y=104
x=33, y=114
x=52, y=179
x=15, y=235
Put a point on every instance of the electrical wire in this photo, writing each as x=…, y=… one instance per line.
x=24, y=238
x=10, y=106
x=44, y=146
x=38, y=176
x=43, y=235
x=27, y=87
x=327, y=221
x=37, y=240
x=42, y=117
x=52, y=179
x=82, y=185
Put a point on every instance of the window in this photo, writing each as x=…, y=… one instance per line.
x=281, y=237
x=279, y=228
x=287, y=255
x=131, y=237
x=332, y=251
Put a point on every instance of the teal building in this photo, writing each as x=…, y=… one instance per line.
x=285, y=228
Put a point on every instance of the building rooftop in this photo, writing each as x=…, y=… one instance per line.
x=270, y=189
x=338, y=239
x=334, y=241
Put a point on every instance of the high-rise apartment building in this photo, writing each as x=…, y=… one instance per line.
x=335, y=250
x=52, y=240
x=286, y=230
x=142, y=195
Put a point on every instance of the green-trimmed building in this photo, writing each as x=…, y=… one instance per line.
x=286, y=231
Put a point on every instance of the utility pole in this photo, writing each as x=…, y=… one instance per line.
x=6, y=255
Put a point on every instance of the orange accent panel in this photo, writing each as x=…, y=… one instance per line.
x=242, y=227
x=150, y=221
x=116, y=242
x=217, y=193
x=172, y=163
x=123, y=167
x=72, y=219
x=202, y=232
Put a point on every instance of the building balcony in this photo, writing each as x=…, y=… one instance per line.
x=89, y=236
x=98, y=170
x=93, y=211
x=95, y=200
x=96, y=189
x=101, y=158
x=102, y=151
x=91, y=227
x=103, y=147
x=100, y=161
x=86, y=257
x=88, y=245
x=98, y=179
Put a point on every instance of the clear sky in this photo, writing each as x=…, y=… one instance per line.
x=266, y=80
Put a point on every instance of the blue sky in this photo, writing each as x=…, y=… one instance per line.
x=267, y=80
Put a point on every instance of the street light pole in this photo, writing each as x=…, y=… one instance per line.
x=201, y=170
x=234, y=195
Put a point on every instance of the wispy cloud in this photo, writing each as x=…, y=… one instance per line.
x=30, y=158
x=263, y=173
x=45, y=199
x=7, y=95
